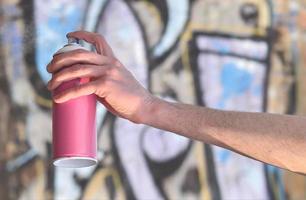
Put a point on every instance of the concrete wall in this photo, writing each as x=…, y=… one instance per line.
x=243, y=55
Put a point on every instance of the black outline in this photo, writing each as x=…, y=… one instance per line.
x=265, y=102
x=101, y=14
x=86, y=11
x=118, y=163
x=194, y=53
x=161, y=170
x=122, y=173
x=162, y=7
x=210, y=168
x=156, y=61
x=146, y=43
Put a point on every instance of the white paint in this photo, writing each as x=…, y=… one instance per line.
x=178, y=16
x=124, y=35
x=241, y=47
x=128, y=144
x=92, y=16
x=239, y=177
x=163, y=145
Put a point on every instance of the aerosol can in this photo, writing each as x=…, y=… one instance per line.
x=74, y=123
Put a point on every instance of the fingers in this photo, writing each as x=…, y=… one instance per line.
x=97, y=40
x=79, y=64
x=77, y=56
x=78, y=91
x=77, y=71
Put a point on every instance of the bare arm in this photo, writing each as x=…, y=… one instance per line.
x=275, y=139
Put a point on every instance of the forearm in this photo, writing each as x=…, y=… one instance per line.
x=275, y=139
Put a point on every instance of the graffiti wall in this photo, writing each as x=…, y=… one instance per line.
x=245, y=55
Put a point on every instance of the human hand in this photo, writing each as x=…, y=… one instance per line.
x=114, y=86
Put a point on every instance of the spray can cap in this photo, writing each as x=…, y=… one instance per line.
x=73, y=44
x=72, y=40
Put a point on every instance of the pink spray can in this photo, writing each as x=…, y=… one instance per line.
x=74, y=124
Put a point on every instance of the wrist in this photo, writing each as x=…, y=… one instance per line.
x=150, y=111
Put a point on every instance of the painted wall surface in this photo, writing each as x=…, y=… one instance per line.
x=246, y=55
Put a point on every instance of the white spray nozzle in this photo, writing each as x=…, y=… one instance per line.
x=72, y=40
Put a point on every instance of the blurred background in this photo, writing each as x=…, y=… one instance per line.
x=246, y=55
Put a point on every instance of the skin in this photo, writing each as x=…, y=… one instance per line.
x=279, y=140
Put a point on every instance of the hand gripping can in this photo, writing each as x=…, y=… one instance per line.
x=74, y=137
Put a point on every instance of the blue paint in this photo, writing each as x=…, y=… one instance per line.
x=258, y=90
x=221, y=46
x=12, y=37
x=235, y=81
x=51, y=34
x=223, y=156
x=15, y=50
x=278, y=175
x=10, y=10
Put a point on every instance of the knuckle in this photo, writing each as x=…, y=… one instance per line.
x=108, y=82
x=102, y=86
x=49, y=67
x=56, y=77
x=112, y=71
x=54, y=62
x=76, y=68
x=113, y=61
x=80, y=53
x=93, y=87
x=117, y=63
x=104, y=81
x=98, y=36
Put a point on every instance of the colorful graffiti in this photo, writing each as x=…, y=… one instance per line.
x=242, y=55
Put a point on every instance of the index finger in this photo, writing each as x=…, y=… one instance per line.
x=94, y=38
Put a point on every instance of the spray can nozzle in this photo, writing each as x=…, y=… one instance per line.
x=72, y=40
x=73, y=44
